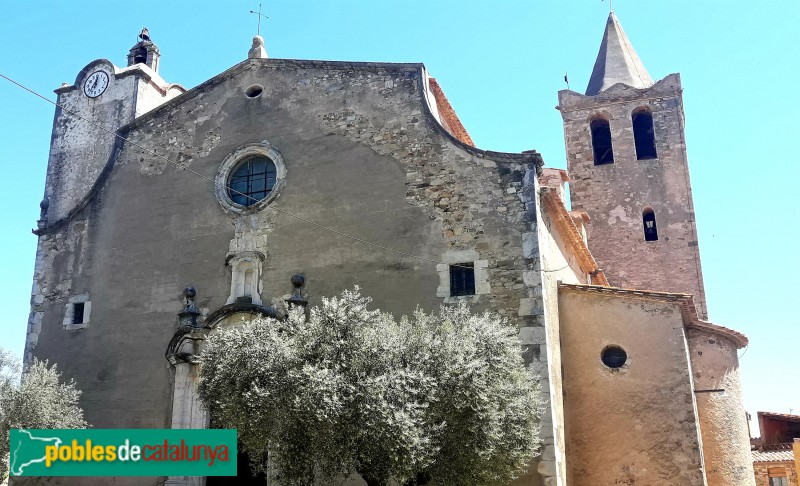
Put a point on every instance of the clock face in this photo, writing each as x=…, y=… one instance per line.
x=95, y=84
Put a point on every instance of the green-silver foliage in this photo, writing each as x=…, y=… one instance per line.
x=34, y=400
x=443, y=398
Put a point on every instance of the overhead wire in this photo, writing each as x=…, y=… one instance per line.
x=230, y=189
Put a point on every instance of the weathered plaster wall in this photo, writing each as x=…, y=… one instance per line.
x=558, y=264
x=614, y=195
x=637, y=424
x=362, y=155
x=723, y=422
x=79, y=149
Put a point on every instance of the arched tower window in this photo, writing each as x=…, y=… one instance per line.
x=643, y=134
x=601, y=142
x=140, y=56
x=649, y=223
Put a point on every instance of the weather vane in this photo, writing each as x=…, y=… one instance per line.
x=610, y=5
x=259, y=18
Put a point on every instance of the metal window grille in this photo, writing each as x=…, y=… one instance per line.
x=252, y=180
x=77, y=312
x=462, y=279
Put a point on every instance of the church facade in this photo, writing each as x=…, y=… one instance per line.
x=171, y=213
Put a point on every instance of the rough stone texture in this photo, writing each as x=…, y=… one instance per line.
x=723, y=422
x=557, y=263
x=80, y=150
x=635, y=425
x=363, y=156
x=614, y=195
x=762, y=472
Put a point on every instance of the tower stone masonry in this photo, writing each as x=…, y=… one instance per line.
x=618, y=194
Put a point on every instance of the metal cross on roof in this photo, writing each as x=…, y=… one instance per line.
x=259, y=18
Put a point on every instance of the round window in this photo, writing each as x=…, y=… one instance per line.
x=614, y=357
x=252, y=180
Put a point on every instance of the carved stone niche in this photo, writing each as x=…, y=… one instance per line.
x=246, y=270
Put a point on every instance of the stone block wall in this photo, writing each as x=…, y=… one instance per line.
x=723, y=420
x=635, y=424
x=364, y=156
x=762, y=472
x=79, y=150
x=615, y=195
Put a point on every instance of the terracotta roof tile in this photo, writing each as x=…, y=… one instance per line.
x=448, y=116
x=773, y=456
x=560, y=216
x=784, y=416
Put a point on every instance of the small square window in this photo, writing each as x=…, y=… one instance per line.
x=77, y=312
x=462, y=279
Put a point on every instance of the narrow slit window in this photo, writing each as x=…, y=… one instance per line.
x=77, y=312
x=462, y=279
x=601, y=142
x=649, y=222
x=644, y=135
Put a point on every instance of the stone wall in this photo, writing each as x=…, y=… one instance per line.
x=635, y=424
x=723, y=421
x=614, y=195
x=364, y=157
x=80, y=149
x=762, y=472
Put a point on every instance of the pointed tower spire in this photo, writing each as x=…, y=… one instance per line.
x=617, y=62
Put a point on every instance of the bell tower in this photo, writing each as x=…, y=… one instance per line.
x=626, y=156
x=102, y=99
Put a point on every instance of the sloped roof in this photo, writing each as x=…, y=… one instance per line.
x=780, y=416
x=773, y=456
x=569, y=232
x=448, y=115
x=686, y=302
x=617, y=62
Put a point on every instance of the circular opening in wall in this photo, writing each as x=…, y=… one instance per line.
x=249, y=178
x=614, y=357
x=252, y=180
x=254, y=91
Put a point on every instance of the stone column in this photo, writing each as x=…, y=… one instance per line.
x=187, y=412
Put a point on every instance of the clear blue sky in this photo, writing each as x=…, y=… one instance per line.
x=501, y=63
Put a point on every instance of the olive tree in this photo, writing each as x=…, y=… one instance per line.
x=36, y=399
x=443, y=398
